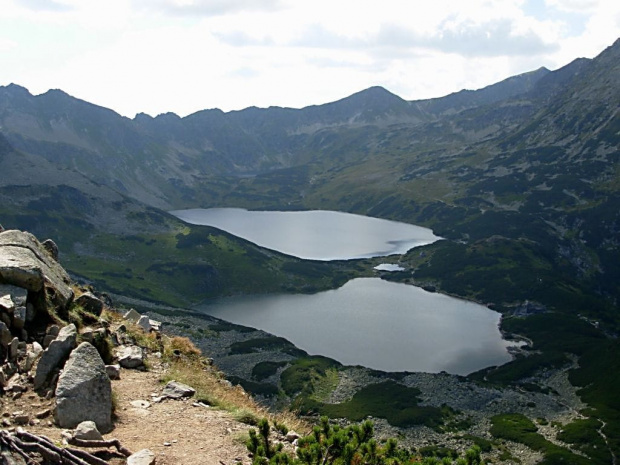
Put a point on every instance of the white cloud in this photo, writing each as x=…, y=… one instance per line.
x=7, y=44
x=206, y=7
x=185, y=55
x=45, y=5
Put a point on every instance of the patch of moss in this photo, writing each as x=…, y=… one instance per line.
x=518, y=428
x=396, y=403
x=304, y=372
x=271, y=343
x=263, y=370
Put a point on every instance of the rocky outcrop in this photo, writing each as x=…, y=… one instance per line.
x=89, y=302
x=58, y=351
x=26, y=263
x=84, y=391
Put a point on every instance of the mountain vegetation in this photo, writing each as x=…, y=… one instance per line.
x=521, y=178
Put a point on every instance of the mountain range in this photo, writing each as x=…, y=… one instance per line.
x=534, y=157
x=522, y=179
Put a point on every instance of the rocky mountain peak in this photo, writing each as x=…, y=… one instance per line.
x=15, y=89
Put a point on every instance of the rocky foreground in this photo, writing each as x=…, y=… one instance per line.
x=75, y=385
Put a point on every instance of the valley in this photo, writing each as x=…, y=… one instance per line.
x=521, y=179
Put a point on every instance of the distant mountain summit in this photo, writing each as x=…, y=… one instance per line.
x=161, y=160
x=370, y=106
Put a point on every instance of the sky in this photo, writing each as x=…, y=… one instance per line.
x=182, y=56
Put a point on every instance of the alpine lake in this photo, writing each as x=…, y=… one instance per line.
x=368, y=321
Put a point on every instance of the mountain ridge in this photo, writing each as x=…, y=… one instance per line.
x=206, y=142
x=522, y=180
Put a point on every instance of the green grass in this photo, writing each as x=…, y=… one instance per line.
x=325, y=385
x=270, y=343
x=304, y=372
x=584, y=436
x=396, y=403
x=223, y=326
x=521, y=367
x=598, y=377
x=263, y=370
x=484, y=444
x=518, y=428
x=157, y=257
x=208, y=264
x=263, y=389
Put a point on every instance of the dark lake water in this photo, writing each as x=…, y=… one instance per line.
x=368, y=321
x=315, y=235
x=377, y=324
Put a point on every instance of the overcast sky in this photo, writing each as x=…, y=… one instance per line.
x=156, y=56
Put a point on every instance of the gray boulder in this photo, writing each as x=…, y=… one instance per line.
x=5, y=335
x=58, y=350
x=87, y=431
x=36, y=348
x=84, y=391
x=132, y=316
x=113, y=371
x=25, y=263
x=13, y=349
x=90, y=303
x=17, y=294
x=90, y=334
x=130, y=356
x=144, y=323
x=6, y=304
x=142, y=457
x=19, y=317
x=176, y=390
x=53, y=330
x=27, y=361
x=31, y=313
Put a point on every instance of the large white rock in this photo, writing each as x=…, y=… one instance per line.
x=176, y=390
x=130, y=356
x=25, y=263
x=84, y=391
x=87, y=430
x=142, y=457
